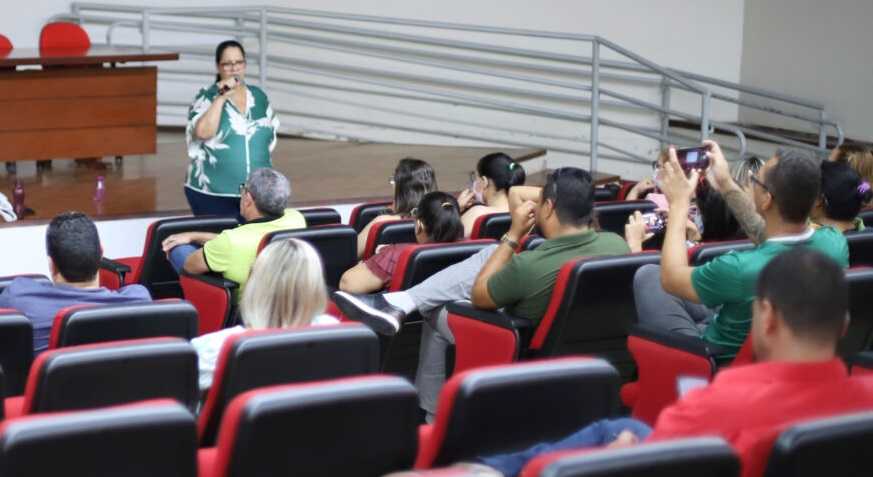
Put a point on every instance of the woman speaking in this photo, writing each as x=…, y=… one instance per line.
x=231, y=131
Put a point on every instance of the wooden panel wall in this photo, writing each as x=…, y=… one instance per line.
x=77, y=112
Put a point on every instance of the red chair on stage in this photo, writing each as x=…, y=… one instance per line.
x=64, y=35
x=5, y=44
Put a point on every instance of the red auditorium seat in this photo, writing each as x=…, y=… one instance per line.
x=335, y=244
x=364, y=213
x=86, y=324
x=591, y=311
x=145, y=439
x=106, y=374
x=152, y=269
x=509, y=408
x=261, y=358
x=612, y=216
x=63, y=35
x=5, y=44
x=709, y=456
x=833, y=446
x=16, y=350
x=346, y=427
x=389, y=232
x=415, y=264
x=662, y=356
x=319, y=216
x=491, y=226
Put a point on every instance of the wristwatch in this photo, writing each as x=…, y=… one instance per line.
x=512, y=243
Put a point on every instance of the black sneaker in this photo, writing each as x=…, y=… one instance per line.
x=371, y=310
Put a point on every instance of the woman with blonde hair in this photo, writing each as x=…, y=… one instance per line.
x=285, y=290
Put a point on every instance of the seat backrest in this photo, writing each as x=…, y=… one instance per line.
x=16, y=349
x=5, y=281
x=418, y=262
x=63, y=35
x=491, y=226
x=365, y=213
x=509, y=408
x=81, y=377
x=531, y=242
x=269, y=357
x=833, y=446
x=320, y=216
x=355, y=426
x=336, y=244
x=139, y=440
x=867, y=217
x=612, y=216
x=155, y=272
x=859, y=335
x=709, y=456
x=860, y=247
x=705, y=252
x=388, y=232
x=84, y=324
x=607, y=193
x=592, y=309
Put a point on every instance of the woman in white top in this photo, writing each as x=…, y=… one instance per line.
x=489, y=188
x=285, y=290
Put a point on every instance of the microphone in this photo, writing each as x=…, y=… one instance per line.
x=225, y=88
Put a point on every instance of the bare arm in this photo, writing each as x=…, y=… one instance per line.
x=198, y=238
x=207, y=125
x=196, y=263
x=744, y=211
x=359, y=279
x=365, y=232
x=520, y=194
x=522, y=221
x=675, y=271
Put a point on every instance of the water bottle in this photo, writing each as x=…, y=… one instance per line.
x=18, y=199
x=100, y=190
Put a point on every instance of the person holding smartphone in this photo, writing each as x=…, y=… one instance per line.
x=231, y=132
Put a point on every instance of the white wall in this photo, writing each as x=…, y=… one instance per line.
x=813, y=49
x=704, y=36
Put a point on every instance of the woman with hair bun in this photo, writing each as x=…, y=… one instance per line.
x=489, y=188
x=437, y=220
x=843, y=194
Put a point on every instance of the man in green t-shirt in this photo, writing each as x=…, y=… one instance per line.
x=714, y=301
x=263, y=201
x=496, y=277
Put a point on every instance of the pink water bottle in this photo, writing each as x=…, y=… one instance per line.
x=100, y=191
x=18, y=199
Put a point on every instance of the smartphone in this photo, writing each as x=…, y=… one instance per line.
x=655, y=222
x=693, y=158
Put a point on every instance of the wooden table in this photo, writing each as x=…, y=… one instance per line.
x=74, y=106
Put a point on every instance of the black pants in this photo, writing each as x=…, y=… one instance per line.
x=205, y=204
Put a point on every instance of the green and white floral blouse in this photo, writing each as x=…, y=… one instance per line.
x=243, y=143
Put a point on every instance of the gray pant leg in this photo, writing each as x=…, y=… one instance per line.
x=431, y=374
x=658, y=308
x=451, y=284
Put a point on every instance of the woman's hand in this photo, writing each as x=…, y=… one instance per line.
x=226, y=86
x=635, y=232
x=639, y=189
x=466, y=199
x=692, y=232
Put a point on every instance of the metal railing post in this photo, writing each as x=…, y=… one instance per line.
x=706, y=104
x=146, y=33
x=595, y=101
x=665, y=105
x=262, y=49
x=822, y=130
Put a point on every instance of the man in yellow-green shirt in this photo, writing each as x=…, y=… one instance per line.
x=263, y=201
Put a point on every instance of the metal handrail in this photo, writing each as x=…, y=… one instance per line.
x=271, y=25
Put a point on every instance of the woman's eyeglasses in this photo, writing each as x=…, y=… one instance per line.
x=229, y=65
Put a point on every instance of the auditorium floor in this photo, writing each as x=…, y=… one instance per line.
x=321, y=172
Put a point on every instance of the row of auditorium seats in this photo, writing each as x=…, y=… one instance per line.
x=365, y=425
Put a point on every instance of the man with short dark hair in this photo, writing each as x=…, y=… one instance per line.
x=263, y=201
x=73, y=248
x=714, y=301
x=496, y=277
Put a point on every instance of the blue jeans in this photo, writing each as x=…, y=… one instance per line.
x=596, y=434
x=205, y=204
x=179, y=254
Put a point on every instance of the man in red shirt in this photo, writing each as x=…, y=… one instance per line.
x=799, y=315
